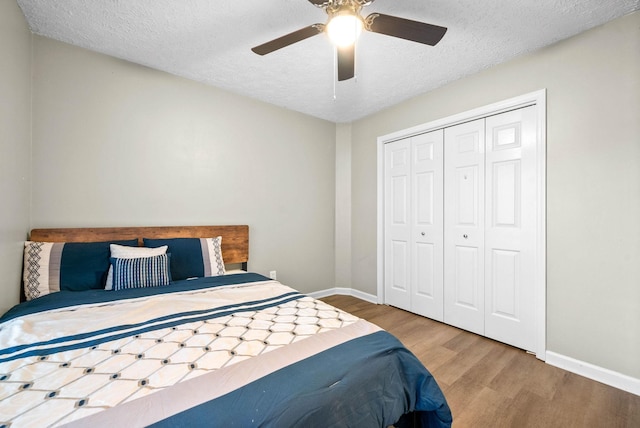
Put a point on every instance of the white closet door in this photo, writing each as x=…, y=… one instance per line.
x=427, y=225
x=397, y=225
x=464, y=299
x=510, y=227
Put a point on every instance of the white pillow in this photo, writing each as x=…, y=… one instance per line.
x=124, y=252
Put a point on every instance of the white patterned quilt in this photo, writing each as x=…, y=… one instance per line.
x=65, y=363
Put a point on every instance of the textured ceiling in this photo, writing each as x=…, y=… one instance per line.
x=210, y=40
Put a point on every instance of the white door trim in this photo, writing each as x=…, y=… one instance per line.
x=537, y=98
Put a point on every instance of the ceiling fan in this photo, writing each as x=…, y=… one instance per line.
x=345, y=25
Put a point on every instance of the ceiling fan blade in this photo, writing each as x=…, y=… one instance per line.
x=289, y=39
x=319, y=3
x=346, y=62
x=407, y=29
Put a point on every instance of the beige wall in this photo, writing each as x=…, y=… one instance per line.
x=593, y=183
x=119, y=144
x=15, y=147
x=343, y=206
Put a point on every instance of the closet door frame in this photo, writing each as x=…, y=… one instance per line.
x=537, y=99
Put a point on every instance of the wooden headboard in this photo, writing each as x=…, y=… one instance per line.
x=235, y=239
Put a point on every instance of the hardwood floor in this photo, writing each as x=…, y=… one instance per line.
x=490, y=384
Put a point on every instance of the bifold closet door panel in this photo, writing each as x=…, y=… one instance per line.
x=427, y=225
x=460, y=225
x=510, y=227
x=464, y=174
x=397, y=223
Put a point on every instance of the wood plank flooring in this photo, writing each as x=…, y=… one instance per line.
x=490, y=384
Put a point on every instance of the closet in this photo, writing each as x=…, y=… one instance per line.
x=460, y=208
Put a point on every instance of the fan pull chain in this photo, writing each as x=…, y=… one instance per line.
x=335, y=71
x=355, y=61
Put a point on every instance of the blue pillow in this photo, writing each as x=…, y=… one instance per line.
x=84, y=265
x=141, y=272
x=192, y=257
x=69, y=266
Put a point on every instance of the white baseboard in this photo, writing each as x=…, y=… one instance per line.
x=345, y=292
x=599, y=374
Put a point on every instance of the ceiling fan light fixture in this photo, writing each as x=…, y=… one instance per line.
x=344, y=28
x=344, y=25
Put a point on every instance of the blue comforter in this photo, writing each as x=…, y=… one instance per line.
x=232, y=351
x=367, y=382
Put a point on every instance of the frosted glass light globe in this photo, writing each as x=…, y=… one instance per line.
x=344, y=30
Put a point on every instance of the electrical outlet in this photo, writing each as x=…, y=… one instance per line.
x=272, y=274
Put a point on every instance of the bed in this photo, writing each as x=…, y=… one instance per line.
x=210, y=345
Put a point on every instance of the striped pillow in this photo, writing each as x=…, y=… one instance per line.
x=126, y=252
x=141, y=272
